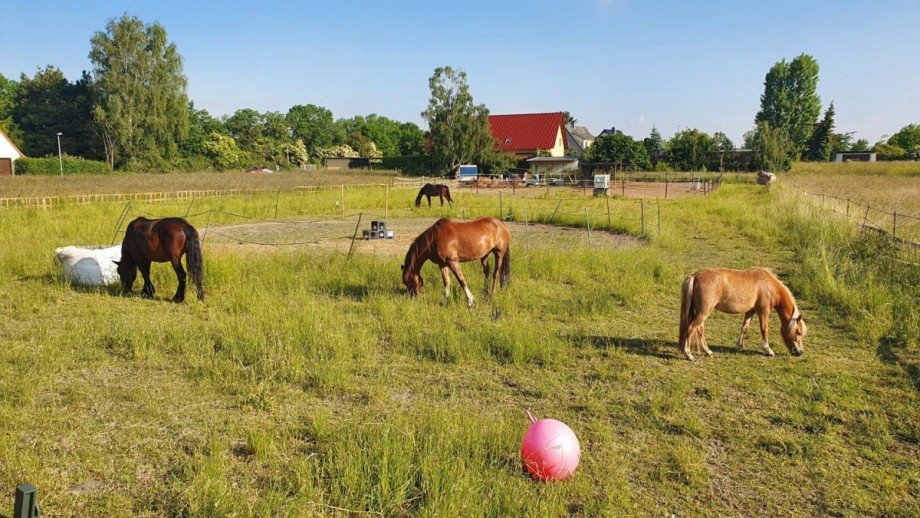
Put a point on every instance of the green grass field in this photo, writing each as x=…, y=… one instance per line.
x=307, y=383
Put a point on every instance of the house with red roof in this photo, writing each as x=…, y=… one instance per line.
x=526, y=135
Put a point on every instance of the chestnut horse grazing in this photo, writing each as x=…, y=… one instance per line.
x=753, y=291
x=448, y=243
x=160, y=241
x=434, y=189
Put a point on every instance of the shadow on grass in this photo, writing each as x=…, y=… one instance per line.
x=640, y=346
x=888, y=353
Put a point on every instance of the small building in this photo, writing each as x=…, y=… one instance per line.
x=9, y=154
x=527, y=135
x=552, y=164
x=855, y=156
x=578, y=139
x=337, y=163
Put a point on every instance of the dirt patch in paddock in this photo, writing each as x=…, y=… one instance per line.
x=337, y=235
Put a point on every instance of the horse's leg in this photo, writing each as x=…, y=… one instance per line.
x=445, y=276
x=458, y=273
x=764, y=324
x=180, y=274
x=441, y=197
x=744, y=327
x=499, y=258
x=692, y=331
x=485, y=274
x=147, y=291
x=702, y=337
x=429, y=200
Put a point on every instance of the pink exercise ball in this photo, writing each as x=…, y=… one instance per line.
x=550, y=450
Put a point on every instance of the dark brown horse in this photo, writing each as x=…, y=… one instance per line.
x=448, y=243
x=160, y=241
x=434, y=189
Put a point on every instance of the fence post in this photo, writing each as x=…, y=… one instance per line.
x=609, y=226
x=866, y=217
x=588, y=225
x=501, y=210
x=894, y=226
x=642, y=216
x=355, y=236
x=658, y=207
x=848, y=207
x=553, y=218
x=342, y=197
x=665, y=187
x=624, y=188
x=25, y=504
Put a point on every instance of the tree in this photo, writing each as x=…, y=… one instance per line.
x=842, y=141
x=245, y=126
x=722, y=142
x=47, y=104
x=618, y=148
x=7, y=102
x=771, y=148
x=569, y=120
x=690, y=150
x=411, y=140
x=459, y=128
x=908, y=139
x=314, y=126
x=822, y=142
x=790, y=101
x=222, y=150
x=889, y=152
x=141, y=105
x=654, y=146
x=860, y=146
x=200, y=125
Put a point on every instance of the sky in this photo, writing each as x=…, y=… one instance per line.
x=621, y=63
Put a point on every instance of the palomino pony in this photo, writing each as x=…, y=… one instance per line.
x=753, y=291
x=161, y=241
x=434, y=189
x=448, y=243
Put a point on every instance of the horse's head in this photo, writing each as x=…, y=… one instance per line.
x=128, y=272
x=793, y=331
x=413, y=281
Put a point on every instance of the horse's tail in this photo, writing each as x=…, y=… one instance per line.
x=193, y=258
x=447, y=195
x=505, y=276
x=687, y=311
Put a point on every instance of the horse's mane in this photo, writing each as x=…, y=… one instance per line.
x=422, y=243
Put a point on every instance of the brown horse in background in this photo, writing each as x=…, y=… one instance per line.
x=753, y=291
x=434, y=189
x=448, y=243
x=161, y=241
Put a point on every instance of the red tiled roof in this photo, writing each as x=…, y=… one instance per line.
x=525, y=131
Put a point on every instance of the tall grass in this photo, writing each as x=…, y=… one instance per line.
x=309, y=384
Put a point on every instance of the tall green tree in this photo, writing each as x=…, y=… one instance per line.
x=7, y=102
x=200, y=125
x=141, y=104
x=245, y=126
x=721, y=142
x=771, y=148
x=459, y=128
x=908, y=139
x=654, y=146
x=691, y=150
x=47, y=104
x=790, y=100
x=821, y=144
x=315, y=126
x=618, y=148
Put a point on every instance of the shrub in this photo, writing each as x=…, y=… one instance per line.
x=52, y=166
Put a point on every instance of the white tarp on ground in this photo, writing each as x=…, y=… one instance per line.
x=90, y=265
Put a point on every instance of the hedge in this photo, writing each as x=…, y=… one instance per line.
x=51, y=166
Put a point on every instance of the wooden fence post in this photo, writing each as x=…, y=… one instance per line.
x=588, y=225
x=386, y=203
x=642, y=216
x=624, y=188
x=355, y=235
x=894, y=226
x=609, y=226
x=501, y=210
x=552, y=219
x=342, y=197
x=658, y=207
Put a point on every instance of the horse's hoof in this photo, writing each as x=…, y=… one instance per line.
x=708, y=353
x=690, y=357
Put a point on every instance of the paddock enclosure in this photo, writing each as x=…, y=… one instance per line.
x=309, y=384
